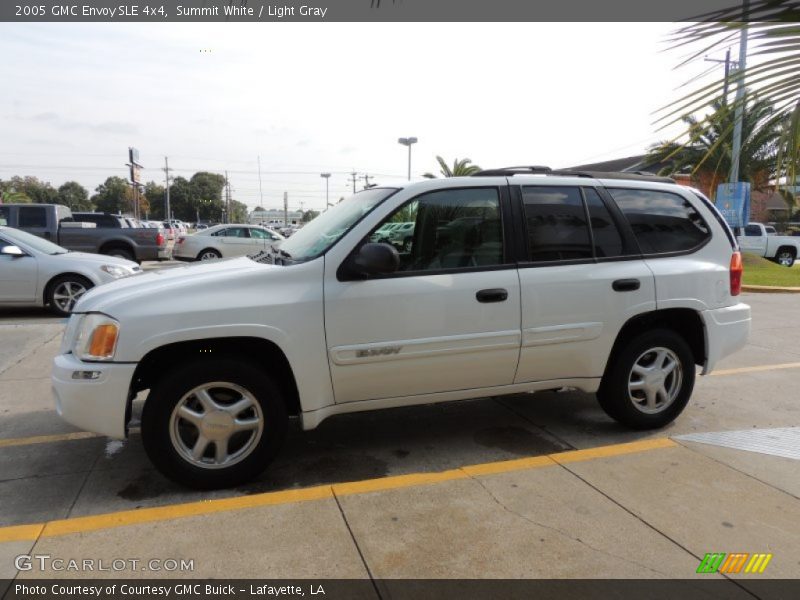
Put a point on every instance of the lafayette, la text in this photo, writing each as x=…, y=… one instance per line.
x=181, y=589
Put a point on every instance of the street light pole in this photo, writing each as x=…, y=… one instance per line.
x=739, y=113
x=407, y=142
x=327, y=177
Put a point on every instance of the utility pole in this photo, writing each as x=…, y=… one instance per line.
x=729, y=64
x=366, y=179
x=260, y=191
x=285, y=209
x=740, y=72
x=354, y=178
x=168, y=216
x=227, y=199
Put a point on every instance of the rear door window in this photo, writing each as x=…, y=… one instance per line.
x=32, y=216
x=752, y=231
x=556, y=223
x=662, y=221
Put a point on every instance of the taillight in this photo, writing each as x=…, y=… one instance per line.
x=737, y=268
x=159, y=239
x=180, y=239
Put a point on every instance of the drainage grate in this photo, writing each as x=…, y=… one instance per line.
x=784, y=441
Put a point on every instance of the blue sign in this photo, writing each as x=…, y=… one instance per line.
x=733, y=201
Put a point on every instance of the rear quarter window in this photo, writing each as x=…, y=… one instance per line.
x=662, y=221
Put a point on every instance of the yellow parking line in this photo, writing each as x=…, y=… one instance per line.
x=756, y=369
x=204, y=507
x=615, y=450
x=45, y=439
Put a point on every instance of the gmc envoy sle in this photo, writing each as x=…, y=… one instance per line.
x=513, y=281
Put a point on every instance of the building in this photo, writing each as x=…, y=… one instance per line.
x=274, y=216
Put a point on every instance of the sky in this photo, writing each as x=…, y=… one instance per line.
x=309, y=98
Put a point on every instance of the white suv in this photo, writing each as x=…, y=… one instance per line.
x=514, y=282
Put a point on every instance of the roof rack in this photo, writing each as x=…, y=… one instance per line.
x=533, y=170
x=526, y=170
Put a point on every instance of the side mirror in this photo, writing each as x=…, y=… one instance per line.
x=12, y=251
x=373, y=259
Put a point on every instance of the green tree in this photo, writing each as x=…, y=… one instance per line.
x=29, y=189
x=180, y=199
x=238, y=212
x=206, y=195
x=74, y=195
x=9, y=194
x=113, y=196
x=460, y=168
x=707, y=153
x=156, y=198
x=773, y=70
x=309, y=215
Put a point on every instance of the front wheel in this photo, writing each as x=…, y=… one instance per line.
x=64, y=291
x=650, y=380
x=214, y=424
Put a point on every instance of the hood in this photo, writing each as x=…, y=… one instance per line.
x=97, y=259
x=153, y=287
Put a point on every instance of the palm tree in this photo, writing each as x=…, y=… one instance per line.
x=774, y=72
x=707, y=153
x=460, y=168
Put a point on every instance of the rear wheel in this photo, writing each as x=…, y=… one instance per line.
x=214, y=424
x=64, y=291
x=209, y=254
x=119, y=253
x=785, y=257
x=650, y=380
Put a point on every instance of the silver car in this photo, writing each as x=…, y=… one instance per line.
x=224, y=241
x=35, y=272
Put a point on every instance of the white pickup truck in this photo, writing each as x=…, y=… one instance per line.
x=762, y=240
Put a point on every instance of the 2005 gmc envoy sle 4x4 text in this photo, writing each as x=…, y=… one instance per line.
x=515, y=280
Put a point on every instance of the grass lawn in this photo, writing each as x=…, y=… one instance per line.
x=760, y=271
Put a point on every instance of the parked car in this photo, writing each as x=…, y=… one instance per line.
x=765, y=241
x=224, y=241
x=619, y=285
x=201, y=226
x=85, y=232
x=402, y=236
x=382, y=233
x=35, y=272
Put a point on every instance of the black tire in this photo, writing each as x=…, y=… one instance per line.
x=119, y=253
x=60, y=288
x=209, y=253
x=160, y=434
x=630, y=408
x=785, y=257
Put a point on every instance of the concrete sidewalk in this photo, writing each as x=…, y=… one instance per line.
x=644, y=510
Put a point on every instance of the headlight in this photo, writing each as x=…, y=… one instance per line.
x=97, y=338
x=116, y=271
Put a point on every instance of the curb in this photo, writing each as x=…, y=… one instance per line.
x=770, y=289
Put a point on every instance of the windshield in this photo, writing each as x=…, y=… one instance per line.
x=15, y=236
x=323, y=232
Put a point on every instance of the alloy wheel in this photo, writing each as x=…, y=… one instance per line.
x=655, y=380
x=216, y=425
x=66, y=294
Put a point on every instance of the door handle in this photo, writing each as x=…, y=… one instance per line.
x=626, y=285
x=492, y=295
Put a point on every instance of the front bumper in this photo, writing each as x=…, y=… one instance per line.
x=727, y=330
x=96, y=405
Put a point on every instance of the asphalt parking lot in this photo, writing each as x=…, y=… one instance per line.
x=540, y=485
